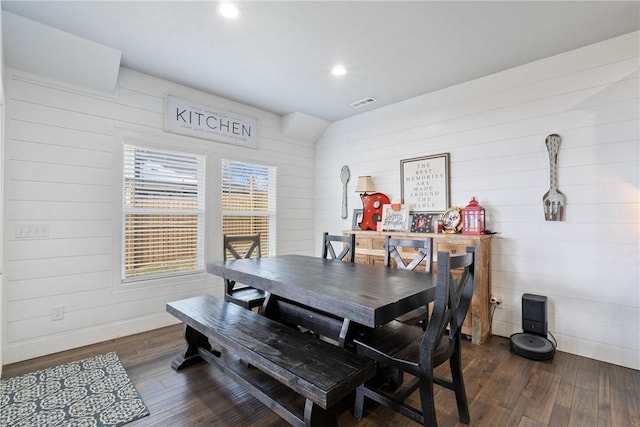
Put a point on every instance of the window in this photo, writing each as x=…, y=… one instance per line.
x=163, y=213
x=249, y=201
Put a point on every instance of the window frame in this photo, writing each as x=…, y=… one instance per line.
x=200, y=258
x=269, y=246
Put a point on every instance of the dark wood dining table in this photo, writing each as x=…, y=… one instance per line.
x=356, y=294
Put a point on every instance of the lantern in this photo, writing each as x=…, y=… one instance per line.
x=473, y=218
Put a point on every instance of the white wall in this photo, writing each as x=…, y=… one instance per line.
x=494, y=128
x=62, y=170
x=2, y=310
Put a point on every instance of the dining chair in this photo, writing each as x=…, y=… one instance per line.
x=416, y=352
x=422, y=251
x=241, y=246
x=325, y=325
x=348, y=247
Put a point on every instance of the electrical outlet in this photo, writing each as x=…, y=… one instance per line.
x=497, y=301
x=57, y=312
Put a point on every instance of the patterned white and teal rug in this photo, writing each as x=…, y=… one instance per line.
x=91, y=392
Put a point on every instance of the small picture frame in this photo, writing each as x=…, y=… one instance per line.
x=395, y=220
x=422, y=223
x=452, y=220
x=357, y=219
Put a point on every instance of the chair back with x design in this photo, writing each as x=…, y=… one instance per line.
x=420, y=249
x=347, y=252
x=240, y=246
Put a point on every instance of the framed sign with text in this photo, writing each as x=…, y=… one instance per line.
x=185, y=117
x=395, y=219
x=424, y=183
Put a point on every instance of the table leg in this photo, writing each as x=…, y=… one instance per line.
x=195, y=340
x=345, y=333
x=268, y=306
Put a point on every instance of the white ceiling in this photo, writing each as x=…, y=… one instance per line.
x=277, y=55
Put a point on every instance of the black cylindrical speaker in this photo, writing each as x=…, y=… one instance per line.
x=534, y=314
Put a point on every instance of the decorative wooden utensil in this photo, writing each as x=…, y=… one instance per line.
x=345, y=174
x=553, y=200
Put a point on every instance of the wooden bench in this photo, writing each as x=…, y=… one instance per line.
x=323, y=374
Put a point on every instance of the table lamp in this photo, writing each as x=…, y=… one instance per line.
x=365, y=185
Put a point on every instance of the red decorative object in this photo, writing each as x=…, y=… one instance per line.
x=372, y=209
x=473, y=217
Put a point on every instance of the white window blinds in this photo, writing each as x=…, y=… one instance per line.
x=249, y=201
x=163, y=213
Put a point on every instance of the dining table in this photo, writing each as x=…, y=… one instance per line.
x=353, y=294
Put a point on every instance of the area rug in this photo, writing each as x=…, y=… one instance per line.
x=92, y=392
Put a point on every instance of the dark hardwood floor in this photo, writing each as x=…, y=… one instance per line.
x=503, y=389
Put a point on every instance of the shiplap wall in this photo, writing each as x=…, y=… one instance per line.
x=2, y=310
x=63, y=169
x=494, y=129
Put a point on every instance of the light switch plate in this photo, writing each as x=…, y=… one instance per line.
x=28, y=231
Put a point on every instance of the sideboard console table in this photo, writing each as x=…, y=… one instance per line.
x=370, y=250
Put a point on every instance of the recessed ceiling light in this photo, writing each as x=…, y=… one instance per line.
x=228, y=10
x=339, y=70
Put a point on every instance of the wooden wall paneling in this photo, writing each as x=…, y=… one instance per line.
x=54, y=153
x=58, y=266
x=95, y=297
x=67, y=137
x=494, y=129
x=84, y=104
x=60, y=144
x=46, y=191
x=91, y=316
x=46, y=287
x=50, y=248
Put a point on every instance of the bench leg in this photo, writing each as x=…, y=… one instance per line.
x=316, y=416
x=190, y=356
x=358, y=405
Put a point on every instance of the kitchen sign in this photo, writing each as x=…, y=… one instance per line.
x=188, y=118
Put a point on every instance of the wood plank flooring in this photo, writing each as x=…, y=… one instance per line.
x=503, y=389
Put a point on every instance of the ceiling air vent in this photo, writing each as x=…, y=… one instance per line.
x=362, y=102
